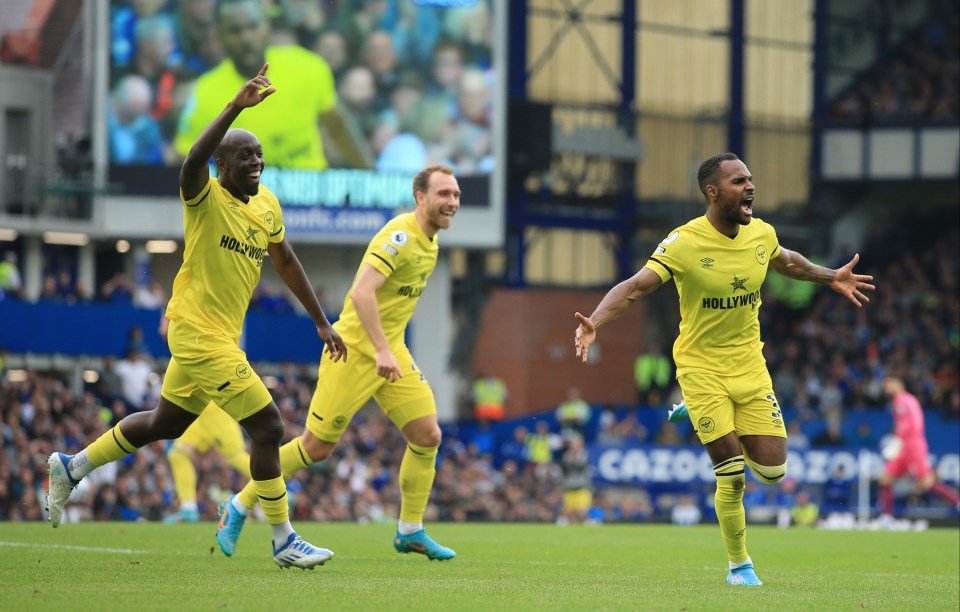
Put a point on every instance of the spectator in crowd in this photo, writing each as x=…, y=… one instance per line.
x=134, y=136
x=151, y=295
x=573, y=414
x=304, y=19
x=118, y=290
x=796, y=438
x=109, y=383
x=124, y=20
x=136, y=342
x=11, y=285
x=134, y=372
x=332, y=46
x=653, y=374
x=514, y=450
x=685, y=513
x=832, y=435
x=540, y=446
x=577, y=486
x=489, y=397
x=836, y=491
x=805, y=513
x=197, y=42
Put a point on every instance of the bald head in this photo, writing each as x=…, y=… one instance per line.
x=234, y=139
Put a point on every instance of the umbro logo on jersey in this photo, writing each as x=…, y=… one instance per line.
x=707, y=262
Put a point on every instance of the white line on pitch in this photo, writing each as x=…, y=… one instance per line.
x=125, y=551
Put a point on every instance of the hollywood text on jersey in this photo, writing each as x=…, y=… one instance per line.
x=732, y=301
x=251, y=251
x=410, y=291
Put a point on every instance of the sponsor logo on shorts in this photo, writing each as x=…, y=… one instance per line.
x=340, y=422
x=244, y=371
x=706, y=425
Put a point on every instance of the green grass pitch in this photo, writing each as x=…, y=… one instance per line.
x=150, y=566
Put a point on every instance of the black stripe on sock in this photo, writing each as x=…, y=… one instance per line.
x=122, y=447
x=727, y=462
x=306, y=461
x=272, y=498
x=737, y=473
x=416, y=452
x=769, y=479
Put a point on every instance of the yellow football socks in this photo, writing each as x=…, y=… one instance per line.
x=729, y=507
x=293, y=458
x=272, y=495
x=417, y=471
x=109, y=447
x=184, y=474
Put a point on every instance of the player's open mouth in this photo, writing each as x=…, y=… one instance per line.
x=254, y=176
x=747, y=206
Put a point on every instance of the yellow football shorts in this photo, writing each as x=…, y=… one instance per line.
x=577, y=500
x=343, y=387
x=209, y=367
x=215, y=429
x=743, y=403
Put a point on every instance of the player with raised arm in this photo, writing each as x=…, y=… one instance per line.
x=718, y=262
x=230, y=224
x=388, y=284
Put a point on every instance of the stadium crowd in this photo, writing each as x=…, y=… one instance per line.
x=826, y=361
x=917, y=79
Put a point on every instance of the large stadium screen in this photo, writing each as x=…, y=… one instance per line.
x=368, y=92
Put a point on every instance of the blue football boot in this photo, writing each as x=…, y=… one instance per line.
x=743, y=576
x=678, y=413
x=231, y=524
x=420, y=542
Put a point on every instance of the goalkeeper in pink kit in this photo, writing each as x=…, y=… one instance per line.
x=912, y=458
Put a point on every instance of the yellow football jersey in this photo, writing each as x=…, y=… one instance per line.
x=225, y=240
x=286, y=123
x=718, y=280
x=403, y=253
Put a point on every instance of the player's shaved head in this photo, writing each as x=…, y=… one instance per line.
x=233, y=139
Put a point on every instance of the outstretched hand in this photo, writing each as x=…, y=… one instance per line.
x=250, y=94
x=585, y=336
x=852, y=285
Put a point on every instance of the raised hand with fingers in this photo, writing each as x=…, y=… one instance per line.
x=255, y=90
x=852, y=285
